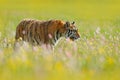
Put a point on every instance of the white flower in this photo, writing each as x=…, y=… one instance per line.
x=97, y=30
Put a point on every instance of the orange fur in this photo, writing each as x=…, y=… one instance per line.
x=39, y=32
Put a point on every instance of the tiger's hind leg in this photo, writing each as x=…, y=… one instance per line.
x=17, y=44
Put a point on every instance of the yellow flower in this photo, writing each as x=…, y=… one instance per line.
x=59, y=67
x=20, y=39
x=91, y=43
x=11, y=64
x=110, y=61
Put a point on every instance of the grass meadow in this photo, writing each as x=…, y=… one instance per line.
x=95, y=56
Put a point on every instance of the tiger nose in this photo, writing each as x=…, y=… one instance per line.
x=78, y=36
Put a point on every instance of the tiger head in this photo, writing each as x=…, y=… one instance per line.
x=71, y=31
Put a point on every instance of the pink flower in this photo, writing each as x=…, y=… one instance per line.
x=68, y=54
x=50, y=36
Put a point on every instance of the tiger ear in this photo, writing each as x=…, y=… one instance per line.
x=67, y=24
x=73, y=22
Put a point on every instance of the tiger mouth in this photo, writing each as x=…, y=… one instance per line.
x=73, y=38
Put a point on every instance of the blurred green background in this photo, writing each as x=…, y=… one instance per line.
x=60, y=9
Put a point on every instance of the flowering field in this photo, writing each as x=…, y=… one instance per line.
x=95, y=56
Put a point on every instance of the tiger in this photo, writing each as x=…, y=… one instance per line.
x=38, y=32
